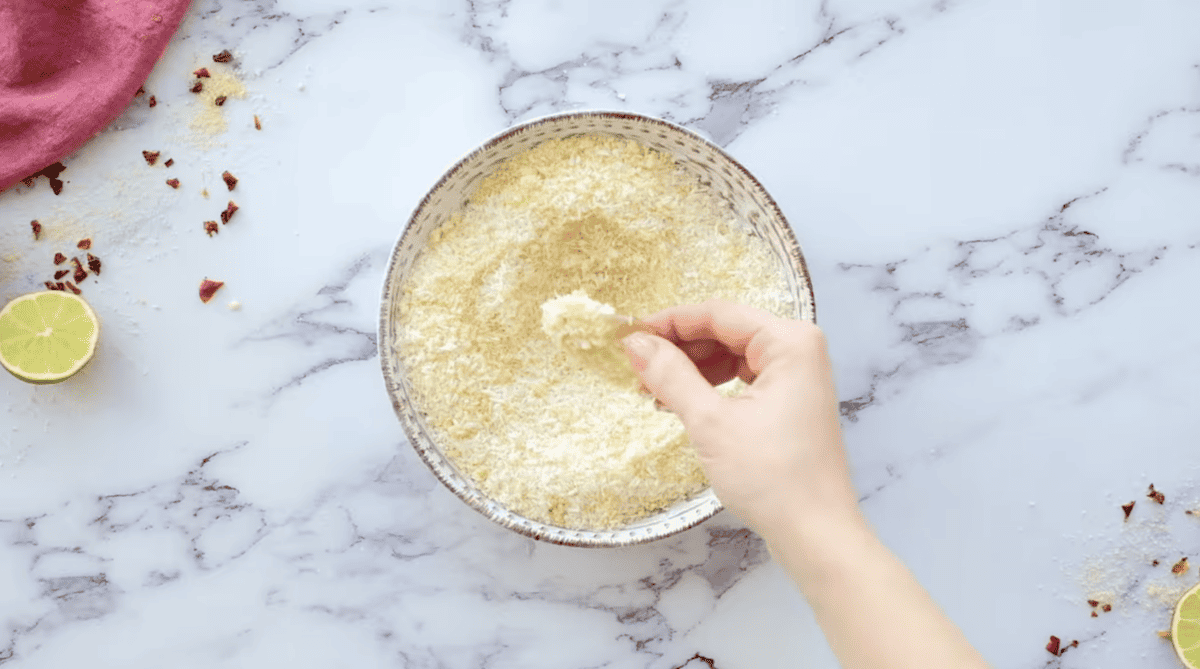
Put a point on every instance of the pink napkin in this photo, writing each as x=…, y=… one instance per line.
x=68, y=68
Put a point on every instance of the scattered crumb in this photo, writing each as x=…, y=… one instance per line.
x=1180, y=567
x=235, y=306
x=204, y=192
x=209, y=119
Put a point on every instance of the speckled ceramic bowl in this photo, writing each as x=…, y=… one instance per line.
x=713, y=166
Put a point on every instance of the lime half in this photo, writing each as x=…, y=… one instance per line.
x=47, y=337
x=1185, y=628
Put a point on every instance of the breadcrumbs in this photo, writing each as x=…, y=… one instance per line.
x=561, y=435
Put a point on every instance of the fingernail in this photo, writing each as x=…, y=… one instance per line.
x=640, y=344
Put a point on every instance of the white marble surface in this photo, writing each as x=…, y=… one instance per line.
x=1000, y=205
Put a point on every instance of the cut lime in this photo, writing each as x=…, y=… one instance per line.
x=47, y=337
x=1185, y=628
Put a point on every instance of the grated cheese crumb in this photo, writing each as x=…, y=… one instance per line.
x=560, y=434
x=578, y=321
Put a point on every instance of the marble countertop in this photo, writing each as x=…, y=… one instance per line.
x=1000, y=206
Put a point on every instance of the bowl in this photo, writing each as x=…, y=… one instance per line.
x=714, y=168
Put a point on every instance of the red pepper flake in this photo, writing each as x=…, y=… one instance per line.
x=150, y=156
x=170, y=162
x=197, y=87
x=1154, y=564
x=1180, y=567
x=211, y=228
x=173, y=183
x=140, y=91
x=80, y=275
x=153, y=101
x=220, y=101
x=208, y=288
x=1095, y=615
x=223, y=57
x=60, y=286
x=93, y=264
x=202, y=73
x=75, y=261
x=1164, y=634
x=1128, y=509
x=1093, y=603
x=1155, y=495
x=84, y=244
x=230, y=180
x=1106, y=608
x=61, y=273
x=73, y=288
x=257, y=123
x=37, y=230
x=1052, y=647
x=59, y=258
x=50, y=286
x=229, y=211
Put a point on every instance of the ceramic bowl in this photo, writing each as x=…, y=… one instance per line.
x=715, y=168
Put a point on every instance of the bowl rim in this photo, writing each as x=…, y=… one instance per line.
x=385, y=332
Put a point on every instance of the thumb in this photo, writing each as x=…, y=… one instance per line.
x=668, y=374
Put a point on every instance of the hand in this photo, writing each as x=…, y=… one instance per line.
x=773, y=452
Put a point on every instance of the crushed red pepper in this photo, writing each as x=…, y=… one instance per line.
x=1128, y=509
x=211, y=228
x=85, y=243
x=229, y=212
x=1154, y=563
x=1106, y=608
x=153, y=101
x=93, y=263
x=1093, y=603
x=1156, y=495
x=140, y=91
x=197, y=87
x=37, y=230
x=59, y=258
x=202, y=73
x=50, y=286
x=173, y=183
x=208, y=288
x=60, y=286
x=170, y=162
x=1053, y=647
x=220, y=101
x=80, y=275
x=61, y=273
x=230, y=180
x=150, y=156
x=257, y=123
x=1180, y=567
x=73, y=288
x=223, y=57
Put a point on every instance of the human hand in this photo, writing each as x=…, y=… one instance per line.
x=773, y=452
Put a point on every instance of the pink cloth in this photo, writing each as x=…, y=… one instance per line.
x=68, y=68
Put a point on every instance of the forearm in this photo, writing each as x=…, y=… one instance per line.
x=873, y=612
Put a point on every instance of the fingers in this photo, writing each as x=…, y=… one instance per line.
x=670, y=375
x=747, y=332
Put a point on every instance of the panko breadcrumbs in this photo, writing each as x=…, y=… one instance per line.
x=578, y=321
x=561, y=435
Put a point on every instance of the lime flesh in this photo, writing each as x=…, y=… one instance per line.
x=47, y=337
